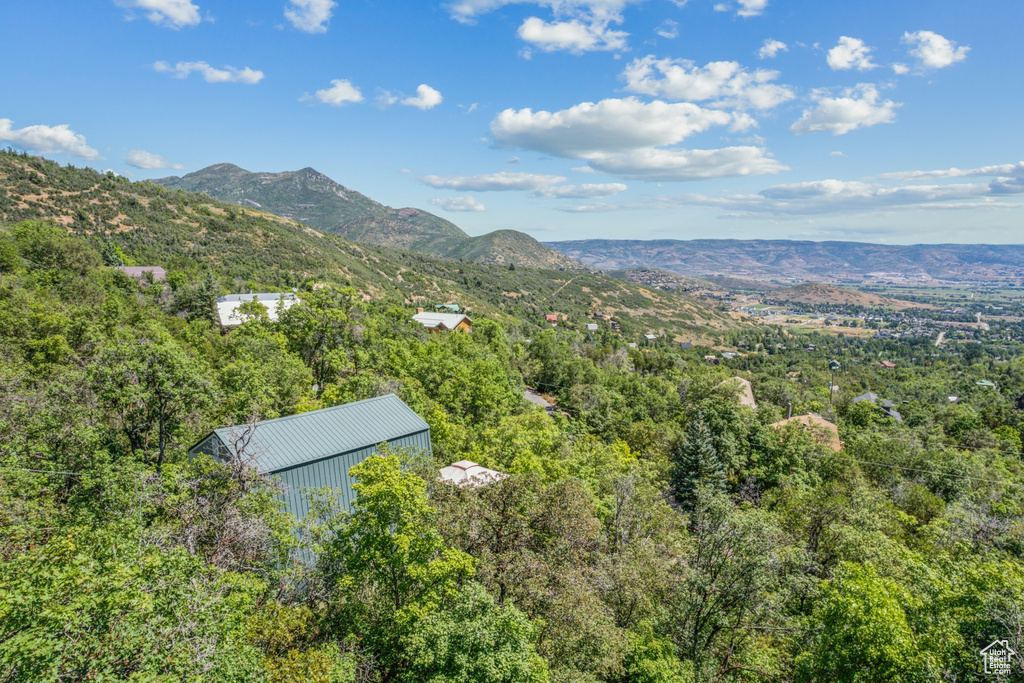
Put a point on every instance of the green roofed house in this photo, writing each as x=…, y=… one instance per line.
x=316, y=449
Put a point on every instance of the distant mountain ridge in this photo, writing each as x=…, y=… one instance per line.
x=314, y=199
x=834, y=262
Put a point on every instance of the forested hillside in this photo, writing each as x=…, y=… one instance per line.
x=195, y=236
x=651, y=529
x=313, y=199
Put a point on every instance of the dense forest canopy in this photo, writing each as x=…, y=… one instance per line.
x=651, y=529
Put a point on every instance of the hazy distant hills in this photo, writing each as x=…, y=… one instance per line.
x=312, y=198
x=802, y=261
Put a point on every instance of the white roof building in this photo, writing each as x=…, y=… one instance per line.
x=592, y=327
x=227, y=306
x=441, y=321
x=468, y=473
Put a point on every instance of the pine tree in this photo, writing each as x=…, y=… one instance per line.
x=111, y=257
x=695, y=464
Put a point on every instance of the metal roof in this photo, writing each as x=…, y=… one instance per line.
x=227, y=306
x=259, y=296
x=297, y=439
x=447, y=320
x=138, y=271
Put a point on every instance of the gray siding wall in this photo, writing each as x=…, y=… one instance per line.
x=332, y=472
x=211, y=445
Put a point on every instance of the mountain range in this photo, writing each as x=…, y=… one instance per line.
x=241, y=247
x=313, y=199
x=800, y=261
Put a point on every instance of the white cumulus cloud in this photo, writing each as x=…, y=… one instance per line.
x=850, y=53
x=743, y=8
x=466, y=11
x=668, y=29
x=721, y=83
x=426, y=98
x=576, y=25
x=310, y=16
x=858, y=107
x=42, y=139
x=686, y=164
x=612, y=125
x=341, y=92
x=574, y=35
x=771, y=48
x=587, y=191
x=840, y=196
x=1007, y=178
x=998, y=171
x=148, y=161
x=934, y=51
x=227, y=74
x=628, y=138
x=458, y=204
x=490, y=182
x=170, y=13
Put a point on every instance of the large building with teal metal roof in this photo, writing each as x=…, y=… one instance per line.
x=316, y=449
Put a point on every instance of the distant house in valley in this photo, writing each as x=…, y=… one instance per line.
x=599, y=315
x=686, y=345
x=592, y=327
x=614, y=325
x=887, y=364
x=712, y=359
x=890, y=411
x=729, y=355
x=551, y=318
x=631, y=345
x=139, y=272
x=885, y=405
x=825, y=432
x=985, y=384
x=746, y=393
x=316, y=449
x=468, y=473
x=274, y=302
x=447, y=308
x=443, y=322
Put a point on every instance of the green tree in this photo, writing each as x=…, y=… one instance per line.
x=695, y=464
x=150, y=385
x=859, y=632
x=385, y=563
x=318, y=330
x=725, y=583
x=474, y=641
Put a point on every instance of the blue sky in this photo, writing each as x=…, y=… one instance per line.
x=568, y=119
